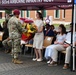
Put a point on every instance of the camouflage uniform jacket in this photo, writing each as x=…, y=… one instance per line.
x=15, y=28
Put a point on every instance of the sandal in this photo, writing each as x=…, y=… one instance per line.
x=66, y=66
x=53, y=63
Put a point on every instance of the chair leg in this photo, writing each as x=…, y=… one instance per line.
x=5, y=50
x=20, y=53
x=59, y=57
x=25, y=49
x=42, y=52
x=32, y=52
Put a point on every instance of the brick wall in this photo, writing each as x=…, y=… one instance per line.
x=68, y=16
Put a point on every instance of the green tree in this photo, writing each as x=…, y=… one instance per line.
x=8, y=11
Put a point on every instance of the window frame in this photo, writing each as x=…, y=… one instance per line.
x=26, y=14
x=63, y=14
x=55, y=14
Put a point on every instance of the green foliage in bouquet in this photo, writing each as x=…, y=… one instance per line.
x=32, y=28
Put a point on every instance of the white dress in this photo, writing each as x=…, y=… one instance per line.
x=39, y=37
x=49, y=49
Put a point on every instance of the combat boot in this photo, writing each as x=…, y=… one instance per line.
x=16, y=61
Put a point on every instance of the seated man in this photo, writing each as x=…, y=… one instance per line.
x=67, y=56
x=48, y=31
x=7, y=45
x=68, y=53
x=6, y=41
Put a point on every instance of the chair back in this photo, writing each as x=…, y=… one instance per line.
x=47, y=41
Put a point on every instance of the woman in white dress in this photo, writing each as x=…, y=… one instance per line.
x=58, y=43
x=39, y=37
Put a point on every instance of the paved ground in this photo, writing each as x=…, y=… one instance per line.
x=29, y=67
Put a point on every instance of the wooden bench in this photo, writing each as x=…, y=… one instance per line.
x=47, y=42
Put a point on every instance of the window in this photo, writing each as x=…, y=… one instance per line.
x=22, y=14
x=63, y=14
x=44, y=13
x=27, y=13
x=57, y=14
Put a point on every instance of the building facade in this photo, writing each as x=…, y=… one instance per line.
x=57, y=16
x=2, y=14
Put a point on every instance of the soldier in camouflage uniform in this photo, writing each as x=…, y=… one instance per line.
x=15, y=31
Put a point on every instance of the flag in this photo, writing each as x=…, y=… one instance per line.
x=74, y=1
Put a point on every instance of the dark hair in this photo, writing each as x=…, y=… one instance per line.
x=40, y=15
x=52, y=27
x=47, y=25
x=63, y=28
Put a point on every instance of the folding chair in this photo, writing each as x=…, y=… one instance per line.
x=47, y=41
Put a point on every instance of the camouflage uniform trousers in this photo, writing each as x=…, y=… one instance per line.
x=16, y=47
x=7, y=44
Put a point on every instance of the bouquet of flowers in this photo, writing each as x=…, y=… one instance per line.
x=28, y=24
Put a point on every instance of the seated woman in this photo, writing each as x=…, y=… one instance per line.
x=58, y=43
x=48, y=31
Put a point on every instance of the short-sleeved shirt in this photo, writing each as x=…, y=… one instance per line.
x=49, y=33
x=68, y=37
x=61, y=38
